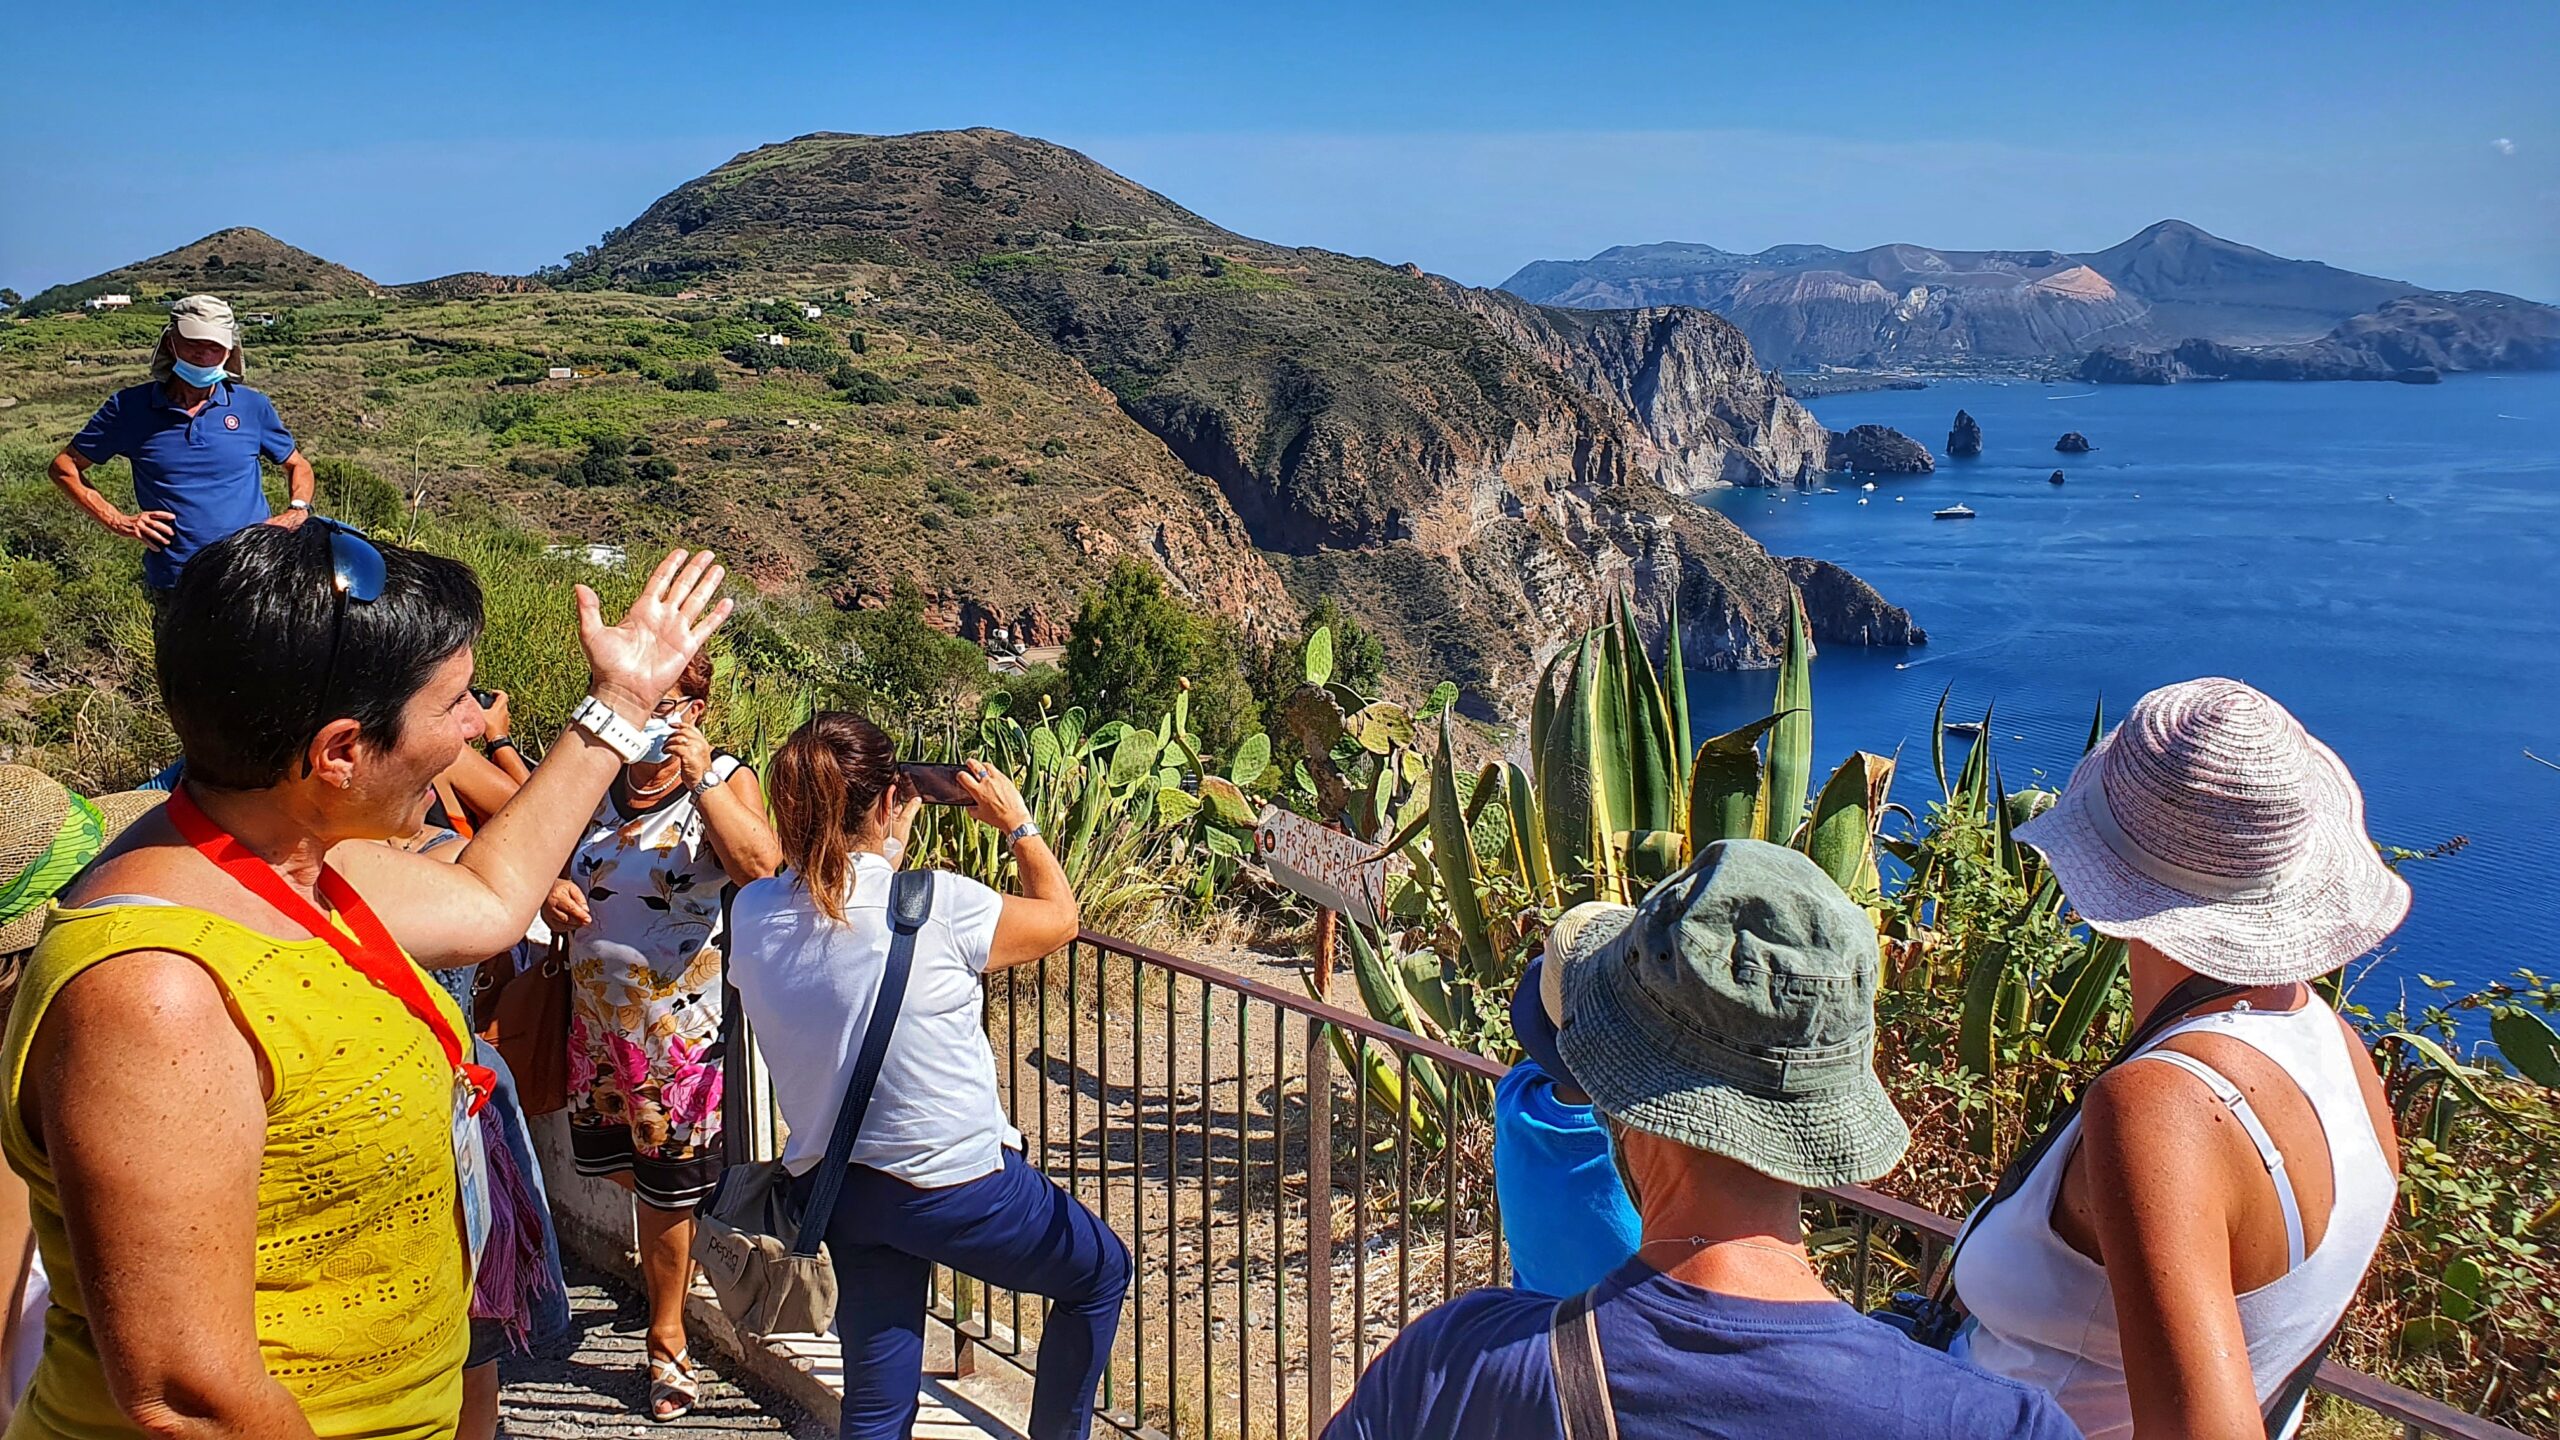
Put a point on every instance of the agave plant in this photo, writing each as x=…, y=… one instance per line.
x=1615, y=798
x=1981, y=915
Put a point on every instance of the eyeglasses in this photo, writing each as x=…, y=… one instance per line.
x=356, y=572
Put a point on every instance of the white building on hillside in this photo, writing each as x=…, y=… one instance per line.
x=109, y=302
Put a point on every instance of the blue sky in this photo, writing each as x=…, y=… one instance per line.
x=409, y=141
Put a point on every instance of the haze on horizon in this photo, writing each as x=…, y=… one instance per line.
x=2421, y=145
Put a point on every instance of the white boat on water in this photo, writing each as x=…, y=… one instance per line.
x=1862, y=499
x=1870, y=485
x=1953, y=512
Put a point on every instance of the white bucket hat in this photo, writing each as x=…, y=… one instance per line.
x=2212, y=827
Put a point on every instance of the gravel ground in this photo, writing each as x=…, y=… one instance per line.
x=599, y=1389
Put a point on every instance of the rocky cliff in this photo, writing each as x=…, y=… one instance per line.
x=1879, y=450
x=1842, y=609
x=1687, y=379
x=2414, y=337
x=1964, y=438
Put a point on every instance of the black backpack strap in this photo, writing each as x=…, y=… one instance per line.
x=1582, y=1382
x=2190, y=994
x=910, y=901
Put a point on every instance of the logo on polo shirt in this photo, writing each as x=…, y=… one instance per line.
x=230, y=422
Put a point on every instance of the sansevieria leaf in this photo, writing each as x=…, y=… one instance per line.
x=2526, y=1039
x=1840, y=836
x=1575, y=810
x=1725, y=786
x=1675, y=688
x=1790, y=769
x=1454, y=856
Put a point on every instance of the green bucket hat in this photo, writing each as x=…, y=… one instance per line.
x=1734, y=1012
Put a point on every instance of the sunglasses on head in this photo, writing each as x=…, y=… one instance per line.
x=356, y=572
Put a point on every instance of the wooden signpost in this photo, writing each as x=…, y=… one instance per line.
x=1343, y=875
x=1323, y=864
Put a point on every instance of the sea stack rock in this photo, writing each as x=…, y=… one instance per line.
x=1841, y=609
x=2072, y=443
x=1964, y=442
x=1879, y=450
x=2056, y=477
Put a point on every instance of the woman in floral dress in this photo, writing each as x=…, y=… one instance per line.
x=645, y=903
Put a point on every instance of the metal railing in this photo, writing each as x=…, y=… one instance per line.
x=1282, y=1222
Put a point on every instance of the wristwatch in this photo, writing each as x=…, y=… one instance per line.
x=495, y=743
x=1019, y=833
x=611, y=731
x=297, y=504
x=711, y=781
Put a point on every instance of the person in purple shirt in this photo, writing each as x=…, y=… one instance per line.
x=1725, y=1031
x=193, y=434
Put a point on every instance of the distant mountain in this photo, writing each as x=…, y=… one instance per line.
x=2416, y=338
x=240, y=264
x=1908, y=307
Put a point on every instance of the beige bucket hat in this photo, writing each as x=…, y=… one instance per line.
x=2211, y=826
x=200, y=317
x=47, y=836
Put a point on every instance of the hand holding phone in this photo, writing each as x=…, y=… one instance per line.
x=934, y=784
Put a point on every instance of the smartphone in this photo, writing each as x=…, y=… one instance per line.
x=486, y=698
x=935, y=784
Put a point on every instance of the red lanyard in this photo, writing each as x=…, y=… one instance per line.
x=370, y=951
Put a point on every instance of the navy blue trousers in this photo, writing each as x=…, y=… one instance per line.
x=1013, y=1229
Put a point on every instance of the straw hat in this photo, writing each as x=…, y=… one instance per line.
x=47, y=835
x=2211, y=826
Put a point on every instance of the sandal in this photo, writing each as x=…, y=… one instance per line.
x=673, y=1387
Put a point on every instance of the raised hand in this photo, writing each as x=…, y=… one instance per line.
x=639, y=659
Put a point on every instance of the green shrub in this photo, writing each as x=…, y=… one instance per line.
x=906, y=662
x=346, y=490
x=26, y=597
x=698, y=377
x=1134, y=647
x=603, y=464
x=863, y=387
x=502, y=413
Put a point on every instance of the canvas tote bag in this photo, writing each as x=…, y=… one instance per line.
x=766, y=1257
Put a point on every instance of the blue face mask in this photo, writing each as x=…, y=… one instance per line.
x=203, y=377
x=657, y=730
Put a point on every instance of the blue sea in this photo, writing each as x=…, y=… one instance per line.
x=2383, y=559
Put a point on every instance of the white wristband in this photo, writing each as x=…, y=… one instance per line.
x=611, y=731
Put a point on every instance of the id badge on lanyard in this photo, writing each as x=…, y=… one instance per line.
x=470, y=1173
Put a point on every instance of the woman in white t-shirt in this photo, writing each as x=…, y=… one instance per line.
x=937, y=1176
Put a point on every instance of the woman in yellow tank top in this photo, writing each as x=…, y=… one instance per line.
x=230, y=1090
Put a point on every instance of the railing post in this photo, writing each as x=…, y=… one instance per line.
x=1320, y=1191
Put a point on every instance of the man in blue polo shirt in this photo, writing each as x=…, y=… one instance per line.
x=193, y=434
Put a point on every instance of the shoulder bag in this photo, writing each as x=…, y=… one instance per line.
x=764, y=1255
x=525, y=1014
